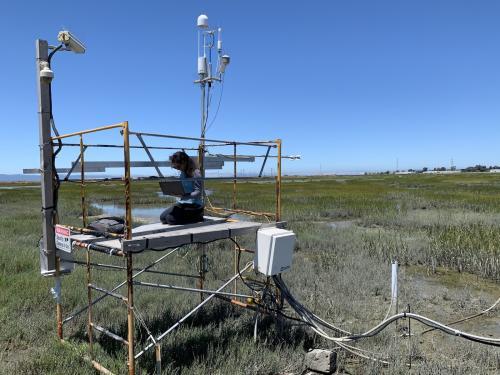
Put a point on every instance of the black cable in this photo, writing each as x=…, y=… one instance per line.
x=209, y=99
x=57, y=181
x=218, y=105
x=53, y=52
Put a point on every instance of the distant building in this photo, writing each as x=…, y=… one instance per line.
x=439, y=172
x=404, y=172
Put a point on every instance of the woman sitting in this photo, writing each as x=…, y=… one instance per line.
x=189, y=208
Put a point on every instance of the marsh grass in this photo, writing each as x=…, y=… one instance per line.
x=428, y=223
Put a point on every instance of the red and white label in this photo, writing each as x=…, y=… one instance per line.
x=63, y=240
x=62, y=230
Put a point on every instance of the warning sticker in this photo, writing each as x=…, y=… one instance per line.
x=63, y=241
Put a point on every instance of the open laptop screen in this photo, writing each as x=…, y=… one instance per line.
x=173, y=187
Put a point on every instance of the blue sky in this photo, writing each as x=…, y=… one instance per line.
x=349, y=85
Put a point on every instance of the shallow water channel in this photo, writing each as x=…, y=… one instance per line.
x=20, y=187
x=141, y=213
x=147, y=214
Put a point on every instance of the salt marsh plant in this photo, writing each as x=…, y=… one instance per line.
x=349, y=229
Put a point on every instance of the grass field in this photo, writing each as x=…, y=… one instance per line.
x=443, y=229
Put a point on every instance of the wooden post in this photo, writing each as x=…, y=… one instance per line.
x=158, y=358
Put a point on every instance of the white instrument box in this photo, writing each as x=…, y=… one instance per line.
x=274, y=250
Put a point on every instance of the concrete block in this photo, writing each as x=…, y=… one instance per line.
x=322, y=361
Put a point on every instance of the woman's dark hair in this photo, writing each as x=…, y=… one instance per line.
x=188, y=165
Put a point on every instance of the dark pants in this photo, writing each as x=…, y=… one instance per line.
x=182, y=214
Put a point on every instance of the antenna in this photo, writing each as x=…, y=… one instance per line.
x=219, y=40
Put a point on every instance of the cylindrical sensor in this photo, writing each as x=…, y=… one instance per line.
x=202, y=65
x=219, y=40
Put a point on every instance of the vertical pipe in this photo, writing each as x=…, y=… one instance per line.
x=235, y=284
x=89, y=299
x=201, y=162
x=48, y=254
x=201, y=269
x=128, y=236
x=234, y=176
x=255, y=325
x=58, y=299
x=201, y=247
x=409, y=338
x=236, y=254
x=278, y=183
x=158, y=358
x=130, y=316
x=82, y=182
x=394, y=286
x=201, y=154
x=128, y=207
x=201, y=165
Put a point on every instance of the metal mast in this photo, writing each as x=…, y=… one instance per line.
x=68, y=42
x=44, y=77
x=206, y=43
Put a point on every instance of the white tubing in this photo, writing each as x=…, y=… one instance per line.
x=394, y=285
x=306, y=317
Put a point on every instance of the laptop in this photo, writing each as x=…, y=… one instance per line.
x=173, y=187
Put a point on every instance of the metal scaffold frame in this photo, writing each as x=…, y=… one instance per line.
x=131, y=278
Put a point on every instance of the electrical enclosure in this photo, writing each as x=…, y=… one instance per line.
x=274, y=251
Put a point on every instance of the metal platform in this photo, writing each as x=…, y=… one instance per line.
x=159, y=236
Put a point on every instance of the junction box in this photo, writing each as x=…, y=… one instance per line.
x=274, y=250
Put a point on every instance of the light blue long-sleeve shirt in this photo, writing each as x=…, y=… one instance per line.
x=193, y=187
